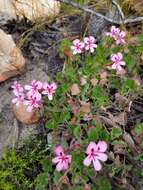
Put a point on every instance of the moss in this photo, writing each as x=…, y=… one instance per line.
x=18, y=169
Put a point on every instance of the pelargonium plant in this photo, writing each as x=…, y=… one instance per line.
x=81, y=113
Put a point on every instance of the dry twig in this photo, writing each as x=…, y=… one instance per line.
x=119, y=9
x=84, y=8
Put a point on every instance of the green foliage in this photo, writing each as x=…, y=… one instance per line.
x=116, y=133
x=42, y=181
x=103, y=183
x=99, y=96
x=139, y=129
x=19, y=170
x=128, y=86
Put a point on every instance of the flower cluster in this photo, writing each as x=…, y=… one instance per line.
x=117, y=61
x=88, y=44
x=117, y=35
x=31, y=95
x=95, y=154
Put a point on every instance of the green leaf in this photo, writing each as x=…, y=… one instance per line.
x=76, y=178
x=104, y=135
x=139, y=129
x=41, y=181
x=114, y=82
x=46, y=164
x=77, y=132
x=116, y=133
x=128, y=86
x=70, y=73
x=119, y=142
x=77, y=187
x=93, y=134
x=130, y=61
x=57, y=176
x=103, y=183
x=99, y=96
x=64, y=116
x=50, y=124
x=77, y=160
x=140, y=37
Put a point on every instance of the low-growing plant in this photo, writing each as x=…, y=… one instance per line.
x=84, y=113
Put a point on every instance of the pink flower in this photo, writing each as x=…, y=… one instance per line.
x=49, y=89
x=17, y=88
x=34, y=87
x=117, y=35
x=120, y=39
x=33, y=101
x=18, y=99
x=114, y=32
x=61, y=159
x=117, y=61
x=95, y=153
x=77, y=46
x=89, y=43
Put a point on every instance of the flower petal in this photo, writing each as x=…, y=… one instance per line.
x=119, y=68
x=45, y=85
x=101, y=156
x=92, y=145
x=59, y=150
x=59, y=166
x=122, y=34
x=27, y=87
x=101, y=146
x=114, y=57
x=55, y=160
x=114, y=66
x=69, y=158
x=91, y=50
x=97, y=165
x=14, y=100
x=122, y=63
x=50, y=96
x=54, y=86
x=65, y=165
x=39, y=84
x=29, y=108
x=92, y=39
x=87, y=161
x=77, y=41
x=86, y=39
x=120, y=56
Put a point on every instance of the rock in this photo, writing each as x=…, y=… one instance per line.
x=31, y=9
x=11, y=60
x=27, y=132
x=98, y=26
x=9, y=132
x=23, y=116
x=7, y=12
